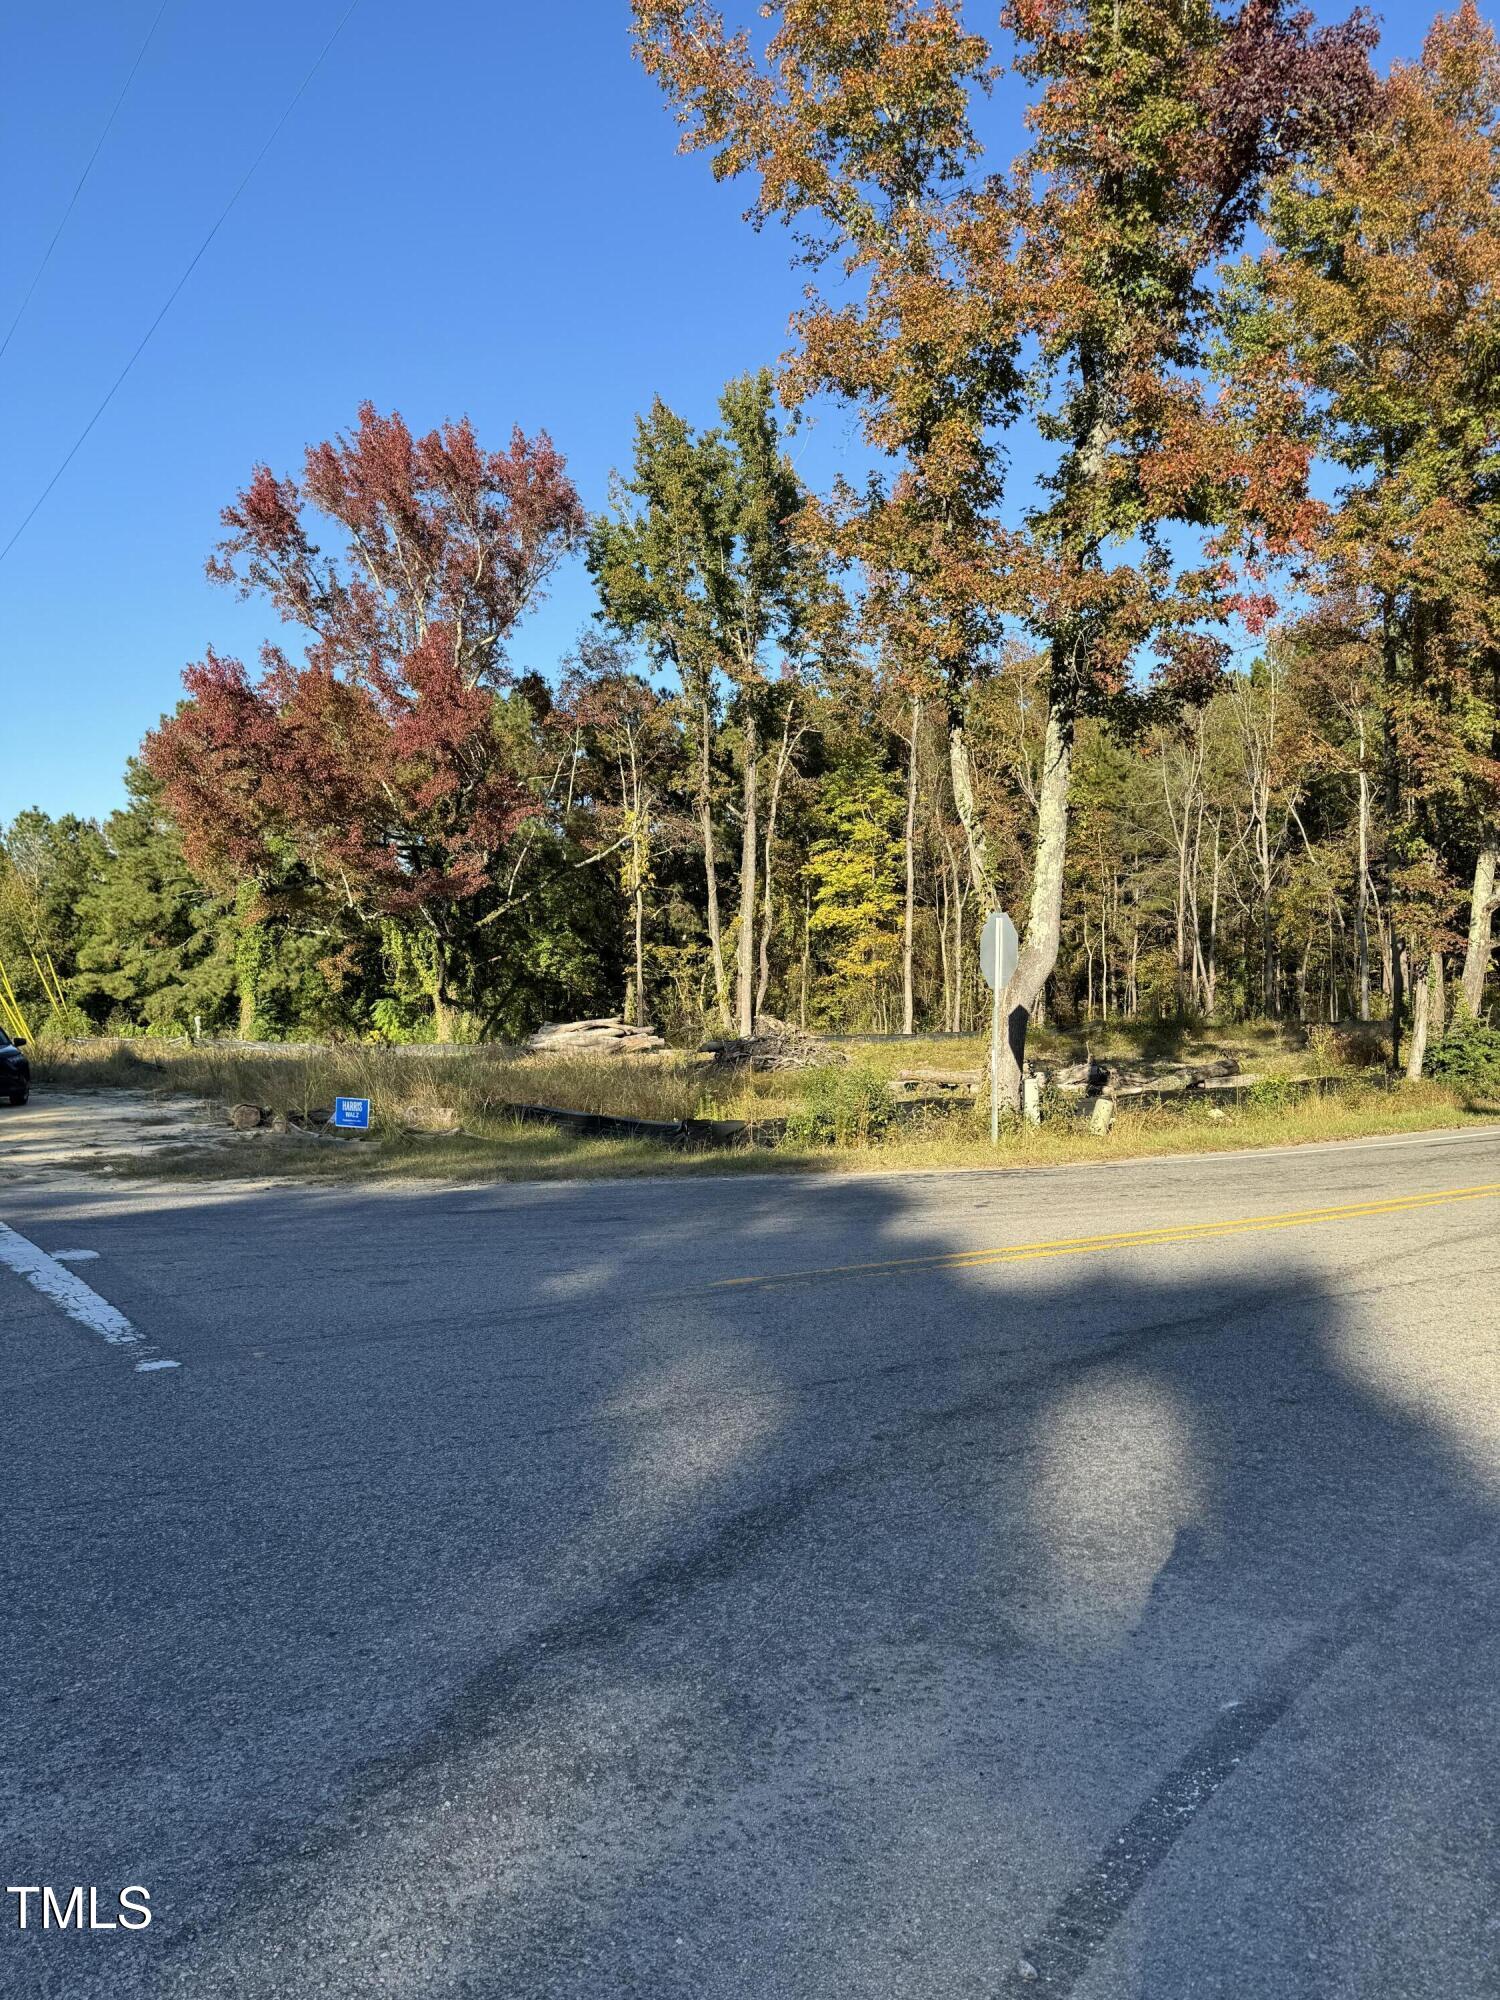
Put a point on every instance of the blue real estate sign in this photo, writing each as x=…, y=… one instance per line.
x=352, y=1114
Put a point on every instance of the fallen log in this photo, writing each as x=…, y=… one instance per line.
x=608, y=1036
x=1093, y=1077
x=952, y=1079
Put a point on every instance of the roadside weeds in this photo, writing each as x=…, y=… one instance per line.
x=495, y=1148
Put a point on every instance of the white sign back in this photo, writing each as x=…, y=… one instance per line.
x=999, y=948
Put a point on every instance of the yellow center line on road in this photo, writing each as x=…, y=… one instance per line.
x=1128, y=1239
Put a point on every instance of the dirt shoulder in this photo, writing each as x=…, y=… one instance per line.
x=82, y=1129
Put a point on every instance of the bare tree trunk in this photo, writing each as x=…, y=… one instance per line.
x=768, y=910
x=806, y=953
x=640, y=857
x=952, y=963
x=941, y=913
x=1362, y=905
x=907, y=994
x=1438, y=1020
x=1390, y=660
x=1206, y=973
x=642, y=1020
x=1195, y=903
x=710, y=861
x=961, y=768
x=1483, y=903
x=1383, y=936
x=1397, y=998
x=958, y=952
x=749, y=845
x=1180, y=842
x=1104, y=956
x=1421, y=1018
x=1044, y=921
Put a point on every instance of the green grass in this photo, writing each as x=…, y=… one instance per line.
x=412, y=1087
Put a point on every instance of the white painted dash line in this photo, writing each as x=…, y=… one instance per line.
x=74, y=1256
x=68, y=1291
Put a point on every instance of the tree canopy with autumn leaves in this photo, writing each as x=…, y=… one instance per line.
x=1209, y=687
x=1154, y=130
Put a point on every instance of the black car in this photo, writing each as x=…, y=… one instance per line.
x=15, y=1071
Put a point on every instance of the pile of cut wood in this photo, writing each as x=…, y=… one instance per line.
x=1097, y=1079
x=608, y=1037
x=1087, y=1080
x=774, y=1045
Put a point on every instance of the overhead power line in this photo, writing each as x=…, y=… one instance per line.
x=36, y=276
x=192, y=265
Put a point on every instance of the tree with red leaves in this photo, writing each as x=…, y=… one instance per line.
x=375, y=760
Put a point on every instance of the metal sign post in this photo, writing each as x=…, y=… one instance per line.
x=999, y=948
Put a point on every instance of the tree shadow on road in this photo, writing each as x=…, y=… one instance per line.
x=567, y=1625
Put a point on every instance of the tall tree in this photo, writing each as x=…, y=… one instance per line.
x=377, y=759
x=630, y=751
x=157, y=947
x=1380, y=298
x=1155, y=125
x=47, y=866
x=701, y=560
x=852, y=872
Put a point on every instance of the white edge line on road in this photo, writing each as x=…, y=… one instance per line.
x=68, y=1291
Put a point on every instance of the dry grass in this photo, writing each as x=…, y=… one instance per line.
x=410, y=1087
x=1188, y=1126
x=406, y=1085
x=1269, y=1048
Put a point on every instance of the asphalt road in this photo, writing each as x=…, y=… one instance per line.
x=498, y=1602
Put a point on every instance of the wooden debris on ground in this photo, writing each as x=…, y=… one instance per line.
x=1097, y=1079
x=609, y=1036
x=934, y=1085
x=774, y=1045
x=1088, y=1082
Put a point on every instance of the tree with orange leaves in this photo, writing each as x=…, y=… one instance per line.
x=1379, y=301
x=1154, y=128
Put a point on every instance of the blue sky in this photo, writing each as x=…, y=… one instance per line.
x=476, y=208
